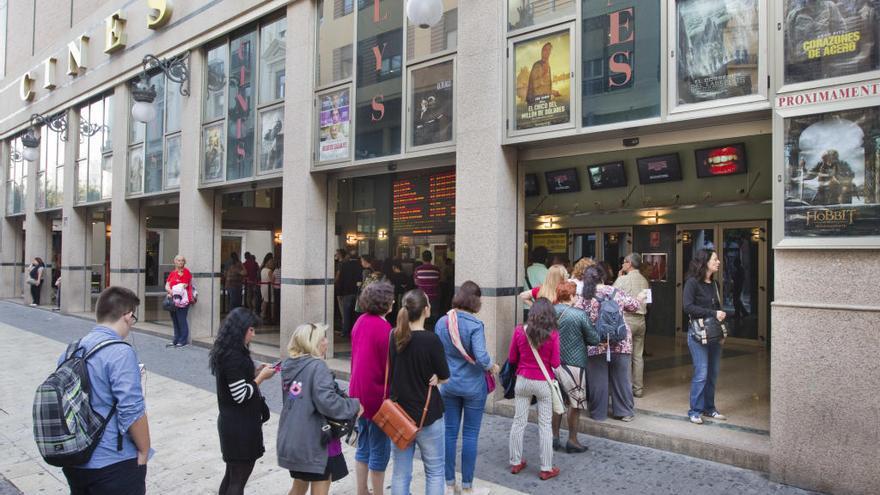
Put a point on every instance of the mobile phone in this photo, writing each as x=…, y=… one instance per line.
x=276, y=365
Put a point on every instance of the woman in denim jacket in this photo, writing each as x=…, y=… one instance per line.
x=465, y=393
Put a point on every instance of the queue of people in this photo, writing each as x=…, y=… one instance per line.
x=575, y=350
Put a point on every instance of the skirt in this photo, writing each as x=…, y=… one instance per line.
x=336, y=470
x=573, y=382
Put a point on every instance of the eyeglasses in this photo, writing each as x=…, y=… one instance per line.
x=134, y=317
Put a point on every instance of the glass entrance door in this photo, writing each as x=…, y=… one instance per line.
x=742, y=248
x=609, y=244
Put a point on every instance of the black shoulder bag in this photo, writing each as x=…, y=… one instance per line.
x=709, y=330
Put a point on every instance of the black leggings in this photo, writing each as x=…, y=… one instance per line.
x=237, y=474
x=35, y=293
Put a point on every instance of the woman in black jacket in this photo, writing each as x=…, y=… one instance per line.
x=700, y=300
x=241, y=405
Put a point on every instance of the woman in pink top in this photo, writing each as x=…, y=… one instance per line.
x=180, y=275
x=539, y=333
x=369, y=355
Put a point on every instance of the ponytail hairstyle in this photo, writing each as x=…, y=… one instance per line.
x=413, y=305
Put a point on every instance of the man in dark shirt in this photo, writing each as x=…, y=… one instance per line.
x=251, y=280
x=427, y=278
x=347, y=279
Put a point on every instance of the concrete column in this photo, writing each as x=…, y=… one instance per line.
x=307, y=225
x=824, y=369
x=487, y=228
x=38, y=234
x=11, y=236
x=200, y=215
x=75, y=232
x=128, y=232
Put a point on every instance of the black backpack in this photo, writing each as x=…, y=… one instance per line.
x=610, y=325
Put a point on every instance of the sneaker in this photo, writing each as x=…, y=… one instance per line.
x=171, y=344
x=638, y=395
x=181, y=346
x=546, y=475
x=33, y=305
x=696, y=420
x=716, y=415
x=450, y=490
x=627, y=419
x=515, y=469
x=476, y=491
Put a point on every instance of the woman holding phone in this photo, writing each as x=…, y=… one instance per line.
x=242, y=408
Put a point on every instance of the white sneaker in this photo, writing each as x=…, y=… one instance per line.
x=450, y=490
x=33, y=305
x=696, y=420
x=716, y=415
x=476, y=491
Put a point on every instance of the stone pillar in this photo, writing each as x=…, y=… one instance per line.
x=308, y=223
x=38, y=234
x=128, y=233
x=11, y=236
x=200, y=215
x=824, y=370
x=488, y=230
x=75, y=234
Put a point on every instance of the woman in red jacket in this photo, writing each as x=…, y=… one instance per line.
x=180, y=275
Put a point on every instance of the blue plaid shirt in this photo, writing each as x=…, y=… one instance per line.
x=114, y=373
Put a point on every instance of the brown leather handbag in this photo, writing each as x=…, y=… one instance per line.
x=394, y=421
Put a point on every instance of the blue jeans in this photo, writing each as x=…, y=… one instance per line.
x=181, y=327
x=707, y=361
x=431, y=448
x=234, y=297
x=374, y=447
x=472, y=407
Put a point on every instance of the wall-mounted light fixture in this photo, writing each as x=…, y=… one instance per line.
x=175, y=68
x=612, y=238
x=277, y=238
x=382, y=234
x=758, y=234
x=424, y=13
x=108, y=230
x=686, y=237
x=351, y=239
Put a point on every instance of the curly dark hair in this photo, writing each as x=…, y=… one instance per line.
x=377, y=298
x=230, y=338
x=592, y=277
x=541, y=322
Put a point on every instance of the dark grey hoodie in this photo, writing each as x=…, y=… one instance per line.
x=313, y=397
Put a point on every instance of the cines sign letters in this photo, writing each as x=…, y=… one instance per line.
x=77, y=50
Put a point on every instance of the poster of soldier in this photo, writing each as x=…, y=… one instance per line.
x=830, y=38
x=832, y=161
x=543, y=81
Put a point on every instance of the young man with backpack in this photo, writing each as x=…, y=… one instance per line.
x=105, y=369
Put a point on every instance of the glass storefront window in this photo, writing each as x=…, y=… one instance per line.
x=154, y=139
x=94, y=176
x=240, y=116
x=830, y=38
x=524, y=13
x=620, y=58
x=49, y=187
x=334, y=125
x=443, y=36
x=542, y=68
x=431, y=105
x=718, y=49
x=832, y=162
x=335, y=40
x=273, y=47
x=149, y=159
x=379, y=87
x=216, y=74
x=172, y=106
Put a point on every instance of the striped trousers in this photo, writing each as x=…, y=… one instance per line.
x=525, y=389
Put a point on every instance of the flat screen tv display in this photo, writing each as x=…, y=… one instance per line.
x=729, y=159
x=531, y=185
x=662, y=168
x=562, y=181
x=607, y=175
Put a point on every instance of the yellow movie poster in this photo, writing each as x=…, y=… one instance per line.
x=543, y=81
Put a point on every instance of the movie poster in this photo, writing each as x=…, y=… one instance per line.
x=212, y=147
x=432, y=104
x=830, y=38
x=656, y=263
x=543, y=81
x=272, y=141
x=335, y=126
x=832, y=164
x=172, y=162
x=717, y=49
x=135, y=182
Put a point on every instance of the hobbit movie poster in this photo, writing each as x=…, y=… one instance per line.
x=830, y=38
x=717, y=49
x=832, y=162
x=543, y=81
x=334, y=126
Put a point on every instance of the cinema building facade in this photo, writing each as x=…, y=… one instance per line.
x=591, y=128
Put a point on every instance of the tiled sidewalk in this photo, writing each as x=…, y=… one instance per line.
x=182, y=424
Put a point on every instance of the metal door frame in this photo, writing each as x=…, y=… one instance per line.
x=718, y=230
x=600, y=233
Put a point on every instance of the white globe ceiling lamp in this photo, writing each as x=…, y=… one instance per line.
x=175, y=69
x=30, y=145
x=424, y=13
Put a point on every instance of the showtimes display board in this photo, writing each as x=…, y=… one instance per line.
x=424, y=203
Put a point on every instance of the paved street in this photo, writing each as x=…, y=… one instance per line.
x=182, y=410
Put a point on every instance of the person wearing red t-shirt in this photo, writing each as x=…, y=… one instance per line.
x=180, y=275
x=427, y=278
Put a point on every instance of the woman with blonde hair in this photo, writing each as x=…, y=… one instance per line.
x=179, y=288
x=556, y=275
x=577, y=273
x=311, y=396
